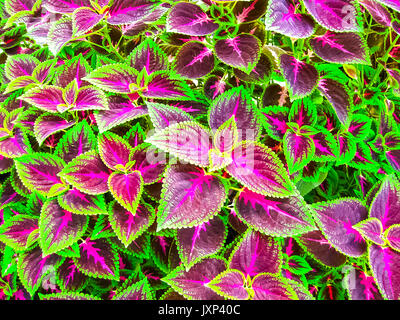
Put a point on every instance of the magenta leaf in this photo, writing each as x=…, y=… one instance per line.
x=188, y=141
x=394, y=4
x=325, y=144
x=80, y=203
x=16, y=231
x=194, y=60
x=378, y=12
x=260, y=170
x=14, y=6
x=361, y=286
x=127, y=225
x=298, y=150
x=267, y=287
x=276, y=217
x=236, y=103
x=98, y=259
x=393, y=237
x=90, y=98
x=196, y=243
x=74, y=69
x=20, y=65
x=340, y=48
x=335, y=15
x=47, y=98
x=282, y=17
x=226, y=137
x=84, y=19
x=115, y=152
x=126, y=189
x=69, y=277
x=230, y=284
x=256, y=253
x=87, y=173
x=16, y=145
x=59, y=228
x=65, y=6
x=120, y=110
x=127, y=12
x=193, y=284
x=300, y=76
x=60, y=33
x=190, y=197
x=163, y=115
x=48, y=124
x=385, y=263
x=39, y=172
x=371, y=229
x=336, y=220
x=32, y=267
x=247, y=11
x=190, y=19
x=140, y=290
x=274, y=120
x=242, y=52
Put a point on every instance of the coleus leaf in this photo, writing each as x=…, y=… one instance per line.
x=246, y=11
x=194, y=60
x=300, y=76
x=274, y=120
x=48, y=124
x=200, y=241
x=378, y=12
x=59, y=228
x=79, y=203
x=140, y=290
x=189, y=19
x=39, y=172
x=347, y=148
x=260, y=170
x=68, y=296
x=120, y=110
x=193, y=284
x=333, y=15
x=344, y=48
x=384, y=263
x=98, y=259
x=20, y=65
x=127, y=12
x=163, y=115
x=371, y=229
x=275, y=217
x=12, y=7
x=260, y=73
x=361, y=286
x=126, y=189
x=60, y=33
x=391, y=4
x=392, y=235
x=242, y=52
x=282, y=17
x=256, y=253
x=46, y=98
x=74, y=69
x=238, y=104
x=128, y=225
x=268, y=287
x=16, y=231
x=189, y=198
x=69, y=277
x=336, y=220
x=87, y=173
x=115, y=152
x=188, y=141
x=65, y=6
x=76, y=141
x=15, y=145
x=226, y=137
x=230, y=284
x=84, y=19
x=298, y=149
x=90, y=98
x=8, y=194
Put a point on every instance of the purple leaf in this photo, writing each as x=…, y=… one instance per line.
x=276, y=217
x=84, y=19
x=260, y=170
x=20, y=65
x=230, y=284
x=336, y=220
x=298, y=150
x=371, y=229
x=44, y=71
x=267, y=287
x=218, y=160
x=260, y=73
x=115, y=77
x=361, y=286
x=394, y=4
x=90, y=98
x=79, y=203
x=46, y=98
x=190, y=19
x=200, y=241
x=69, y=277
x=127, y=12
x=385, y=264
x=242, y=52
x=325, y=145
x=32, y=267
x=163, y=115
x=335, y=15
x=319, y=247
x=16, y=231
x=126, y=189
x=16, y=145
x=39, y=172
x=75, y=69
x=121, y=110
x=343, y=48
x=188, y=141
x=190, y=197
x=236, y=103
x=378, y=12
x=14, y=6
x=59, y=228
x=247, y=11
x=65, y=6
x=226, y=137
x=5, y=164
x=338, y=96
x=59, y=34
x=140, y=290
x=256, y=253
x=115, y=152
x=98, y=259
x=393, y=237
x=193, y=284
x=149, y=56
x=282, y=17
x=194, y=60
x=274, y=120
x=301, y=77
x=48, y=124
x=127, y=225
x=87, y=173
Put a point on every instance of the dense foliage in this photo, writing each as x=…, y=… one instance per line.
x=160, y=149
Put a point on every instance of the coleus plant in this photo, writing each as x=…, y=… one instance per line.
x=209, y=150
